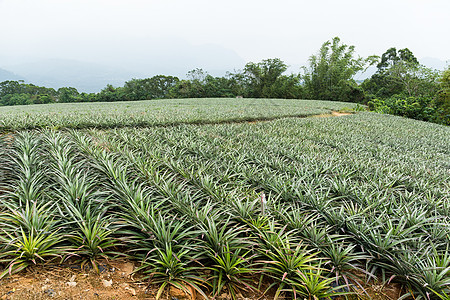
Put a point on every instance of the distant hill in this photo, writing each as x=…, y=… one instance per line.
x=7, y=75
x=90, y=71
x=86, y=77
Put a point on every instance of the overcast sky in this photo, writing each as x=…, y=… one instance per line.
x=250, y=30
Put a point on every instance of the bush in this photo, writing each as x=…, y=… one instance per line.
x=419, y=108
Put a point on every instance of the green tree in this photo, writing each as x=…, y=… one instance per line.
x=400, y=73
x=202, y=85
x=197, y=78
x=442, y=101
x=67, y=94
x=263, y=76
x=217, y=87
x=20, y=93
x=183, y=89
x=16, y=99
x=11, y=87
x=287, y=87
x=43, y=99
x=414, y=79
x=391, y=57
x=111, y=94
x=156, y=87
x=237, y=83
x=402, y=86
x=331, y=71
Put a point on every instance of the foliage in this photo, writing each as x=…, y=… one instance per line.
x=331, y=71
x=265, y=80
x=419, y=108
x=201, y=85
x=30, y=233
x=67, y=94
x=81, y=205
x=257, y=80
x=230, y=270
x=19, y=93
x=402, y=86
x=442, y=101
x=415, y=80
x=156, y=87
x=391, y=57
x=399, y=73
x=25, y=247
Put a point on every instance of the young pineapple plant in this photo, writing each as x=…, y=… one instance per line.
x=82, y=203
x=30, y=234
x=294, y=270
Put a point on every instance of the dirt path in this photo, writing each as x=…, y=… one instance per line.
x=333, y=114
x=115, y=281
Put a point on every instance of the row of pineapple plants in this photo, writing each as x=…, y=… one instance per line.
x=227, y=229
x=410, y=233
x=86, y=204
x=226, y=208
x=158, y=112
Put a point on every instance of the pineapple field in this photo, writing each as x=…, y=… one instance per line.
x=229, y=198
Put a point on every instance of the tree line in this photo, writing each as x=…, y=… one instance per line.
x=401, y=85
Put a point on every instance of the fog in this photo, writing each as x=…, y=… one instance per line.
x=143, y=38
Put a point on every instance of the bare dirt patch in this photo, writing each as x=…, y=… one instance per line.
x=340, y=114
x=115, y=281
x=332, y=114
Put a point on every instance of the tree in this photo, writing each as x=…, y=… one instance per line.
x=287, y=87
x=331, y=71
x=16, y=99
x=237, y=83
x=391, y=57
x=202, y=85
x=262, y=77
x=414, y=79
x=67, y=94
x=197, y=79
x=156, y=87
x=442, y=101
x=43, y=99
x=111, y=94
x=217, y=87
x=402, y=86
x=399, y=72
x=11, y=87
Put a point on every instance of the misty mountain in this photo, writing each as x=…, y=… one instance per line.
x=122, y=63
x=86, y=77
x=7, y=75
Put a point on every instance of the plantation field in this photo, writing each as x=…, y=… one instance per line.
x=230, y=199
x=158, y=112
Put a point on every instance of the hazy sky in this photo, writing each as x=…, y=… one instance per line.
x=250, y=30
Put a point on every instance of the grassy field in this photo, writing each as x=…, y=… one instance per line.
x=231, y=196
